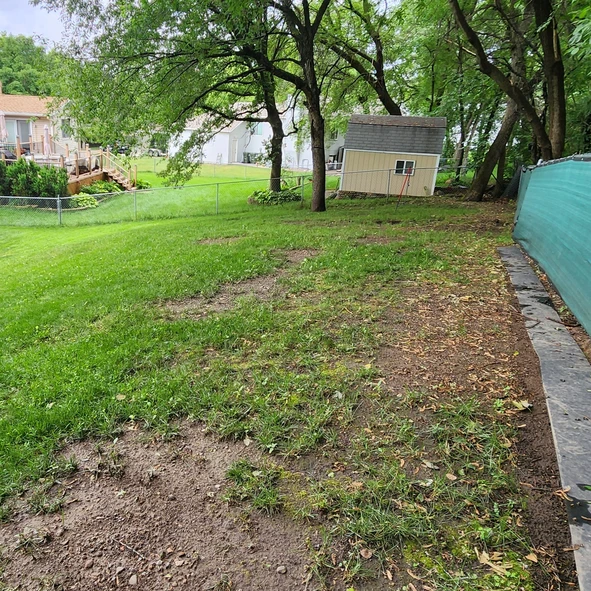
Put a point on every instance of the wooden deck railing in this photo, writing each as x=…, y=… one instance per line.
x=74, y=162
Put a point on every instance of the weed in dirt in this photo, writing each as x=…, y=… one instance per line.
x=258, y=485
x=110, y=463
x=224, y=584
x=42, y=503
x=29, y=541
x=5, y=512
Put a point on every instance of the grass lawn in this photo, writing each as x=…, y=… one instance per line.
x=418, y=474
x=148, y=169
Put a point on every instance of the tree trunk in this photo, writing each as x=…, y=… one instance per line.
x=499, y=187
x=554, y=74
x=274, y=119
x=313, y=102
x=481, y=179
x=484, y=134
x=318, y=156
x=276, y=155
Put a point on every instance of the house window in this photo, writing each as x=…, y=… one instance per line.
x=405, y=167
x=256, y=129
x=20, y=127
x=23, y=129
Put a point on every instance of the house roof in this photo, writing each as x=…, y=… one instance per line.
x=399, y=121
x=22, y=104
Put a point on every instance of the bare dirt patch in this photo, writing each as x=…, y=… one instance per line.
x=263, y=288
x=212, y=241
x=161, y=525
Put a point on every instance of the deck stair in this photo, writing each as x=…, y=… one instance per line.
x=120, y=179
x=118, y=172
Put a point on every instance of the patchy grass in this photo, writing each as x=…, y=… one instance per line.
x=409, y=481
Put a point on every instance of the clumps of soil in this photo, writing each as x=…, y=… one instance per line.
x=159, y=524
x=264, y=288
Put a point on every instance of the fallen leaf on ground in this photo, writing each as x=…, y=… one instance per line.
x=522, y=405
x=532, y=557
x=413, y=575
x=366, y=553
x=430, y=465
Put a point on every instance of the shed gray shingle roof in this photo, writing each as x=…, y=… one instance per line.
x=390, y=133
x=399, y=120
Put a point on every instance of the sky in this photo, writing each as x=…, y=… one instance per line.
x=18, y=17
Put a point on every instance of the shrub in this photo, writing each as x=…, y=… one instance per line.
x=4, y=179
x=141, y=184
x=23, y=176
x=52, y=182
x=28, y=179
x=83, y=201
x=268, y=197
x=98, y=187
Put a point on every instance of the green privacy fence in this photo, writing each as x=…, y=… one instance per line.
x=553, y=225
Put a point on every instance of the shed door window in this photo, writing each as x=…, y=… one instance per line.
x=405, y=167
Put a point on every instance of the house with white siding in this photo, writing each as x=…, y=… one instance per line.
x=245, y=142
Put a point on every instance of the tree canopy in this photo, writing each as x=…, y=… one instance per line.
x=509, y=76
x=25, y=67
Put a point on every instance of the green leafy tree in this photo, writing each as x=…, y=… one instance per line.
x=25, y=68
x=156, y=65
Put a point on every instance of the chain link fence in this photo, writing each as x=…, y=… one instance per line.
x=208, y=198
x=159, y=203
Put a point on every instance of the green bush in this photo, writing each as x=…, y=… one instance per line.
x=52, y=181
x=98, y=187
x=141, y=184
x=28, y=179
x=268, y=197
x=83, y=201
x=4, y=180
x=23, y=176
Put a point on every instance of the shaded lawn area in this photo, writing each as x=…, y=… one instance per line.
x=378, y=381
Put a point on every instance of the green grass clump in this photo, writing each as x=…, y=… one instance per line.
x=258, y=485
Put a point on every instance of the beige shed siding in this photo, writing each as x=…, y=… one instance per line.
x=367, y=172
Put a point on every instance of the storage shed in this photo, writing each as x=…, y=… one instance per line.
x=389, y=155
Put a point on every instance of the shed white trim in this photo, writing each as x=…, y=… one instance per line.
x=389, y=152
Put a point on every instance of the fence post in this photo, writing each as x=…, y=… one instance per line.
x=302, y=181
x=135, y=206
x=217, y=198
x=389, y=177
x=18, y=147
x=59, y=210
